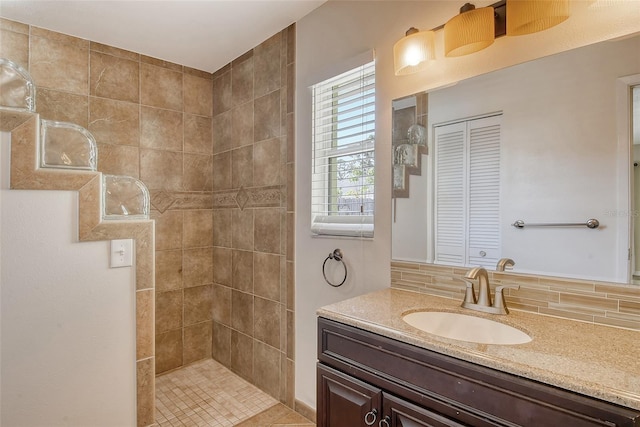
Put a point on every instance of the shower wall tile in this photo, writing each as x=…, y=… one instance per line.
x=118, y=160
x=197, y=267
x=242, y=312
x=242, y=124
x=168, y=229
x=169, y=348
x=146, y=393
x=161, y=129
x=169, y=311
x=221, y=345
x=267, y=162
x=266, y=362
x=161, y=87
x=168, y=270
x=145, y=331
x=197, y=95
x=242, y=167
x=62, y=106
x=114, y=77
x=267, y=321
x=197, y=342
x=266, y=116
x=242, y=278
x=221, y=304
x=161, y=170
x=222, y=266
x=198, y=134
x=14, y=45
x=114, y=122
x=253, y=143
x=59, y=61
x=222, y=132
x=222, y=93
x=198, y=175
x=242, y=355
x=222, y=228
x=267, y=65
x=242, y=81
x=198, y=228
x=222, y=171
x=242, y=223
x=197, y=304
x=161, y=63
x=267, y=275
x=267, y=230
x=114, y=51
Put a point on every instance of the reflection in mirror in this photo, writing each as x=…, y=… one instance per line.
x=557, y=155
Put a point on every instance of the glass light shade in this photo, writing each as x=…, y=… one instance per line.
x=412, y=53
x=527, y=16
x=469, y=32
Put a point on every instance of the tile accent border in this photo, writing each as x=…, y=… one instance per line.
x=602, y=303
x=25, y=175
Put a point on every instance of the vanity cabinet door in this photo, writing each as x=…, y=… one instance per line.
x=344, y=401
x=399, y=413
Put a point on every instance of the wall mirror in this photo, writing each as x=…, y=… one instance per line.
x=544, y=142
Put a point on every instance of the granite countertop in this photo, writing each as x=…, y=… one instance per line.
x=594, y=360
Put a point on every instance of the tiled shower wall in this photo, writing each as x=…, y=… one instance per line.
x=153, y=120
x=253, y=215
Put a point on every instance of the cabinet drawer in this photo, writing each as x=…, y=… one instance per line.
x=448, y=385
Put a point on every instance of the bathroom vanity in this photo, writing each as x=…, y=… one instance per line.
x=375, y=369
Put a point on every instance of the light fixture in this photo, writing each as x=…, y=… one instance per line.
x=412, y=52
x=475, y=29
x=531, y=16
x=470, y=31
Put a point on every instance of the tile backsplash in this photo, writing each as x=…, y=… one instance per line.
x=603, y=303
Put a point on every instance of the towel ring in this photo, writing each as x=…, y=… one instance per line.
x=335, y=255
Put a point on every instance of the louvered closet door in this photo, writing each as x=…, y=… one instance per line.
x=484, y=192
x=467, y=193
x=450, y=193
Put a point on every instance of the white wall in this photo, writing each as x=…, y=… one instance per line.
x=340, y=30
x=67, y=320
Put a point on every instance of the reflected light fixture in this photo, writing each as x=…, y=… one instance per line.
x=413, y=52
x=531, y=16
x=470, y=31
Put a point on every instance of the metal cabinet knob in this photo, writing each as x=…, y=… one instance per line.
x=385, y=422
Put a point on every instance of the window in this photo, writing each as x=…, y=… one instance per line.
x=342, y=199
x=467, y=193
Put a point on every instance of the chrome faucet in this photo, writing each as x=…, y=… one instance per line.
x=483, y=301
x=505, y=264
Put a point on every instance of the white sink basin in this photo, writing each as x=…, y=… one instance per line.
x=461, y=327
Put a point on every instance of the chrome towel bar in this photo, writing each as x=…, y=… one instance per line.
x=591, y=223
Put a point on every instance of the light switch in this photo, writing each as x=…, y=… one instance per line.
x=121, y=253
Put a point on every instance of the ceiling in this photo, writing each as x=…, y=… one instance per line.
x=201, y=34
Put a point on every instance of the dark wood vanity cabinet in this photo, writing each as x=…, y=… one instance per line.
x=365, y=379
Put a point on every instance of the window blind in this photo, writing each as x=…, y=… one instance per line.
x=343, y=138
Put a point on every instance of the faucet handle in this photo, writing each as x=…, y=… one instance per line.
x=469, y=294
x=499, y=302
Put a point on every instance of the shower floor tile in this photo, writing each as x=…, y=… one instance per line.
x=207, y=394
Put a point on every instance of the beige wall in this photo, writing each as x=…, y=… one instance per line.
x=253, y=215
